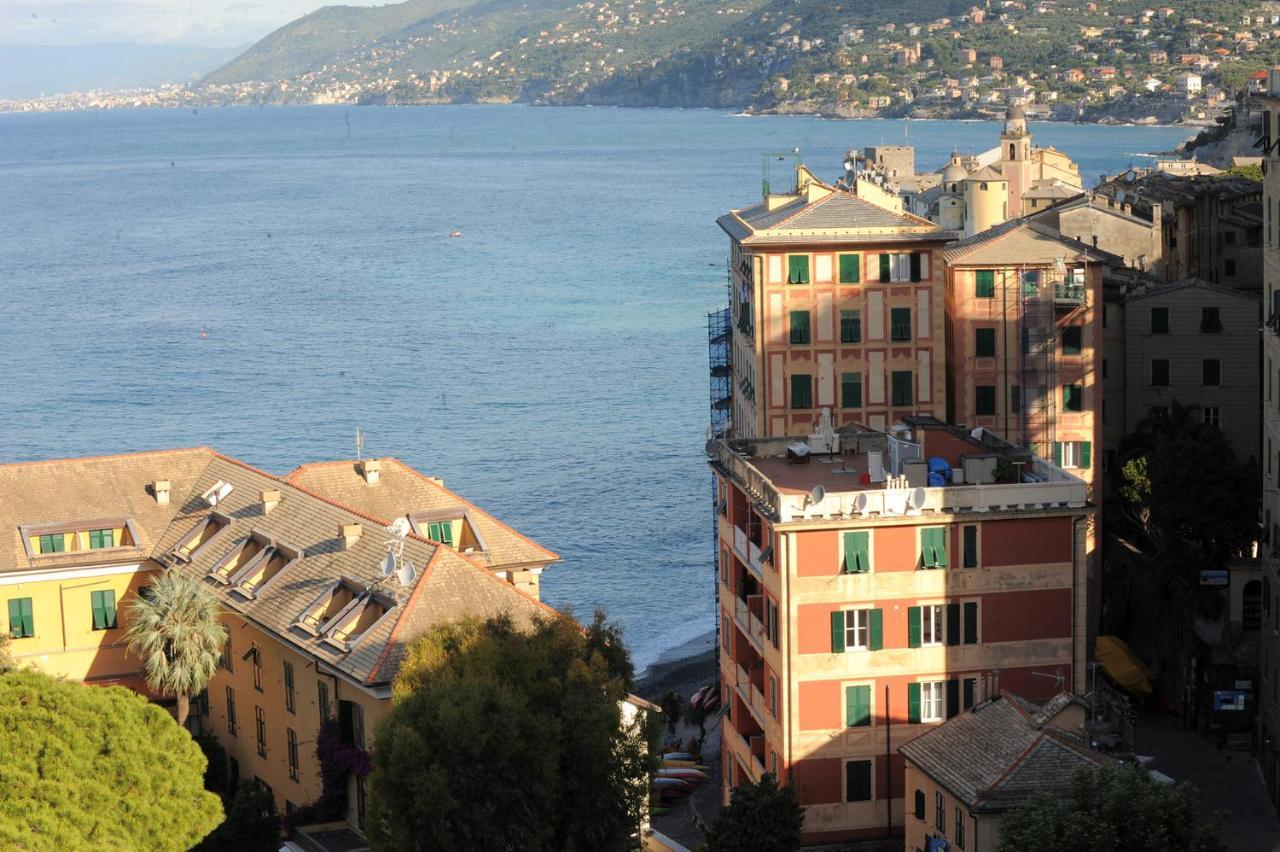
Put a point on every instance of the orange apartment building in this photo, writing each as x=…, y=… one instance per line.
x=316, y=630
x=864, y=602
x=836, y=302
x=1024, y=326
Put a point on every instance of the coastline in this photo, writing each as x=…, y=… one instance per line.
x=683, y=669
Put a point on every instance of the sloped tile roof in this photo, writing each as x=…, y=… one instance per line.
x=1019, y=241
x=447, y=585
x=840, y=216
x=402, y=490
x=1001, y=753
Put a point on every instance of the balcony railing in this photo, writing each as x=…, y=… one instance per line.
x=1069, y=293
x=752, y=480
x=749, y=622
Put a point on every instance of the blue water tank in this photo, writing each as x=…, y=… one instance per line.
x=941, y=469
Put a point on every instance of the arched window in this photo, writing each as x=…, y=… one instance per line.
x=1012, y=155
x=1251, y=605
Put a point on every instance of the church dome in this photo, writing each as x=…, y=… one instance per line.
x=954, y=172
x=1015, y=120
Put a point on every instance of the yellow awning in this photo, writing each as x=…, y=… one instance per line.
x=1123, y=666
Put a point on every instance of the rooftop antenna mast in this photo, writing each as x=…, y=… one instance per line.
x=359, y=444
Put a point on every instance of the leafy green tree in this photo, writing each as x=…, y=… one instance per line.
x=91, y=767
x=506, y=739
x=8, y=662
x=175, y=631
x=760, y=817
x=1111, y=808
x=252, y=824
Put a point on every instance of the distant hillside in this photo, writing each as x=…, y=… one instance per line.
x=29, y=71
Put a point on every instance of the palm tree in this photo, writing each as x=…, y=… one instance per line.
x=175, y=631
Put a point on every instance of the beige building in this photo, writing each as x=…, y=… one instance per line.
x=1102, y=223
x=962, y=776
x=1194, y=342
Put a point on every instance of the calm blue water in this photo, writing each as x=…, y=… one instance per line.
x=550, y=365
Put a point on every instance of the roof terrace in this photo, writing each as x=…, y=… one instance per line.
x=920, y=466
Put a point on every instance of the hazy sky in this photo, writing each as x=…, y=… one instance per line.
x=193, y=22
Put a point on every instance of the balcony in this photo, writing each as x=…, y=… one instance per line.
x=1069, y=293
x=751, y=695
x=744, y=613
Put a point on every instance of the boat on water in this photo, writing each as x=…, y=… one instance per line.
x=455, y=233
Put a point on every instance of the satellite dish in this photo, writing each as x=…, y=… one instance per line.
x=918, y=498
x=399, y=527
x=389, y=564
x=817, y=494
x=406, y=574
x=860, y=503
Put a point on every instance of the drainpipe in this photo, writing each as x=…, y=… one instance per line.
x=888, y=769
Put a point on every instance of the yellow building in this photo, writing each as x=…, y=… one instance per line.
x=316, y=630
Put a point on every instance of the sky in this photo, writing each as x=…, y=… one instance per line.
x=203, y=23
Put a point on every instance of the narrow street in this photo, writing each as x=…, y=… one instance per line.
x=1227, y=781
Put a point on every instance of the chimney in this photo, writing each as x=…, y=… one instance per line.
x=350, y=534
x=270, y=499
x=369, y=469
x=161, y=489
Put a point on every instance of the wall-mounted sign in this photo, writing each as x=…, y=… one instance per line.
x=1214, y=578
x=1229, y=699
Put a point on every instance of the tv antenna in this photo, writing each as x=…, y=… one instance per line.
x=359, y=444
x=1058, y=679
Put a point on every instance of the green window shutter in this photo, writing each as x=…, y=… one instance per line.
x=913, y=703
x=933, y=547
x=970, y=547
x=953, y=698
x=953, y=624
x=856, y=560
x=802, y=391
x=1057, y=453
x=837, y=632
x=886, y=262
x=850, y=268
x=28, y=623
x=99, y=612
x=915, y=266
x=969, y=685
x=798, y=269
x=986, y=283
x=21, y=624
x=109, y=606
x=850, y=327
x=913, y=628
x=900, y=324
x=857, y=706
x=940, y=547
x=851, y=390
x=799, y=326
x=971, y=623
x=1086, y=453
x=876, y=641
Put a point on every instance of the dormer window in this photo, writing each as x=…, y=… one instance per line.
x=97, y=534
x=455, y=528
x=259, y=572
x=316, y=617
x=344, y=613
x=241, y=556
x=203, y=533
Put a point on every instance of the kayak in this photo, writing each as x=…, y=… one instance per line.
x=698, y=697
x=677, y=755
x=682, y=772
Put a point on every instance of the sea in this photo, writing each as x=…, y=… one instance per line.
x=269, y=280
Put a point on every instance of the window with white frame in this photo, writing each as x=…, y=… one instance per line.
x=857, y=629
x=931, y=625
x=932, y=701
x=1212, y=415
x=1072, y=454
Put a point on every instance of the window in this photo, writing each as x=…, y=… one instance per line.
x=939, y=811
x=857, y=706
x=797, y=269
x=1072, y=454
x=351, y=723
x=1210, y=371
x=970, y=692
x=924, y=625
x=901, y=266
x=932, y=701
x=1015, y=398
x=99, y=539
x=1159, y=372
x=902, y=394
x=292, y=739
x=900, y=324
x=969, y=533
x=919, y=804
x=1030, y=283
x=933, y=547
x=857, y=552
x=1229, y=238
x=857, y=781
x=322, y=701
x=231, y=711
x=1228, y=267
x=288, y=687
x=53, y=543
x=773, y=696
x=1210, y=321
x=21, y=624
x=850, y=326
x=802, y=391
x=984, y=342
x=799, y=326
x=771, y=621
x=441, y=531
x=850, y=268
x=984, y=399
x=970, y=609
x=1212, y=415
x=850, y=390
x=1072, y=339
x=224, y=662
x=1159, y=320
x=260, y=724
x=1073, y=398
x=256, y=655
x=362, y=800
x=857, y=630
x=959, y=836
x=985, y=284
x=103, y=605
